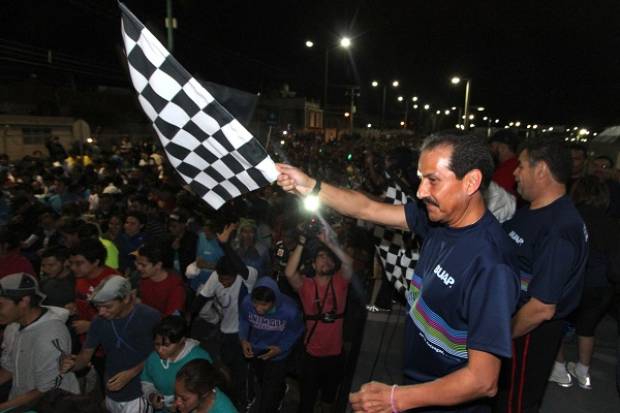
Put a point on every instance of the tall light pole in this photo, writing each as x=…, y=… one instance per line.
x=375, y=83
x=345, y=43
x=455, y=81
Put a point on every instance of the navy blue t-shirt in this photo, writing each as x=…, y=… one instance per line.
x=127, y=342
x=552, y=246
x=463, y=294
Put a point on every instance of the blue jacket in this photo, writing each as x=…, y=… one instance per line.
x=281, y=327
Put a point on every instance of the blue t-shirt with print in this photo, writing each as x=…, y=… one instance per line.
x=462, y=296
x=552, y=247
x=127, y=342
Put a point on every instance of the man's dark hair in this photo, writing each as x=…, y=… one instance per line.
x=153, y=252
x=263, y=294
x=137, y=215
x=468, y=153
x=92, y=250
x=579, y=148
x=606, y=159
x=88, y=230
x=59, y=252
x=226, y=267
x=71, y=226
x=554, y=152
x=589, y=190
x=12, y=235
x=172, y=327
x=200, y=377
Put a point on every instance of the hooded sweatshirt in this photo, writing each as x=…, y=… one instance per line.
x=159, y=375
x=31, y=354
x=280, y=327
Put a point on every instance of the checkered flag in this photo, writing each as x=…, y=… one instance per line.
x=214, y=154
x=395, y=247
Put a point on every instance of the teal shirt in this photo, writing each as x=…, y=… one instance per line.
x=163, y=377
x=222, y=403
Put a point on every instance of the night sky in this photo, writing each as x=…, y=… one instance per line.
x=548, y=62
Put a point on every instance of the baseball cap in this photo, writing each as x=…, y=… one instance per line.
x=179, y=215
x=112, y=288
x=19, y=285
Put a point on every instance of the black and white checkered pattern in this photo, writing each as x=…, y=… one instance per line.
x=214, y=154
x=394, y=246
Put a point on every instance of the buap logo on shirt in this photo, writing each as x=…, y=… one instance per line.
x=443, y=276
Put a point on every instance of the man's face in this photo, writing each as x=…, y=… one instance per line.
x=52, y=267
x=247, y=235
x=132, y=226
x=579, y=160
x=165, y=349
x=226, y=280
x=70, y=239
x=440, y=189
x=262, y=307
x=81, y=267
x=525, y=176
x=601, y=168
x=323, y=263
x=112, y=309
x=9, y=311
x=176, y=228
x=145, y=267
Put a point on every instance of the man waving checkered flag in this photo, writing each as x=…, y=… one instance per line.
x=214, y=154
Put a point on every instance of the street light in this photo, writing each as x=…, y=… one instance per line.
x=455, y=81
x=427, y=106
x=345, y=43
x=395, y=84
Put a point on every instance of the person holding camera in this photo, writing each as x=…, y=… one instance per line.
x=323, y=299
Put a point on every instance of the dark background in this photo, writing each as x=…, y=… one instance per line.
x=551, y=62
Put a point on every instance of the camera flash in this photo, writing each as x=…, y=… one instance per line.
x=311, y=203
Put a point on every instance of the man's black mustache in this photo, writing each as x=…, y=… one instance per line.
x=431, y=201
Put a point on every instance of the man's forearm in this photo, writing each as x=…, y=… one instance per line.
x=137, y=369
x=5, y=376
x=531, y=315
x=456, y=388
x=28, y=398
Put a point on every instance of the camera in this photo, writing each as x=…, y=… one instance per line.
x=329, y=317
x=311, y=228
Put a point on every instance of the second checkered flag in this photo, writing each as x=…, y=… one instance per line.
x=214, y=154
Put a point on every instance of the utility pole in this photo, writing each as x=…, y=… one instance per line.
x=171, y=24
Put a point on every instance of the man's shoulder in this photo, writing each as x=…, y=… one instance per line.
x=146, y=312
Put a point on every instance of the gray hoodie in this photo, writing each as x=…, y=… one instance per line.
x=33, y=359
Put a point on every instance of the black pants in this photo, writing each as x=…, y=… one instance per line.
x=319, y=374
x=523, y=378
x=270, y=380
x=231, y=355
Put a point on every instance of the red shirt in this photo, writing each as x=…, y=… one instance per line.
x=13, y=263
x=84, y=287
x=166, y=296
x=503, y=175
x=327, y=337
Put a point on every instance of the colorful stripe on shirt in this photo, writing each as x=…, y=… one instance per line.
x=437, y=332
x=525, y=280
x=414, y=289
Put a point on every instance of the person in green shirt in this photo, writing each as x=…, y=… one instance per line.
x=173, y=349
x=197, y=391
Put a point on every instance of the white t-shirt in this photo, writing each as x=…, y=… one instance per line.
x=226, y=300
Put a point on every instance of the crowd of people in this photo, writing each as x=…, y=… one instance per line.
x=122, y=291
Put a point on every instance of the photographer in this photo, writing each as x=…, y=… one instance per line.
x=323, y=298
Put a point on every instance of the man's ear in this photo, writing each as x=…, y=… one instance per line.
x=472, y=181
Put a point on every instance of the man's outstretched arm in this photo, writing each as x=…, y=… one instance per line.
x=345, y=201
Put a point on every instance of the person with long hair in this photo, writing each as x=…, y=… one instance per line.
x=198, y=389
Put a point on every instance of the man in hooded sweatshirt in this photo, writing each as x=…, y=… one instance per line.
x=270, y=324
x=35, y=338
